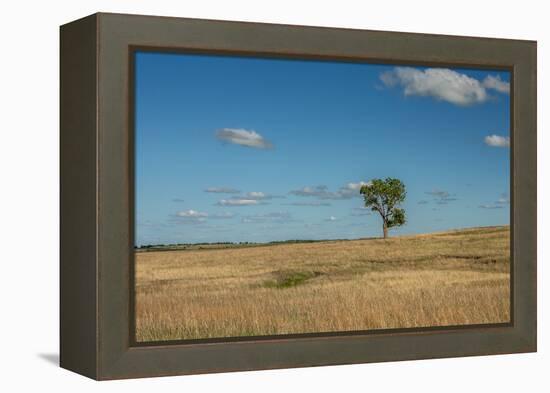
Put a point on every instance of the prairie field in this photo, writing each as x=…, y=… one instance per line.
x=440, y=279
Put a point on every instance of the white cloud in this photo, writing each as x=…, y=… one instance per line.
x=191, y=217
x=255, y=195
x=249, y=198
x=497, y=84
x=503, y=200
x=192, y=213
x=238, y=202
x=356, y=186
x=322, y=192
x=440, y=83
x=351, y=189
x=240, y=136
x=260, y=195
x=317, y=191
x=331, y=219
x=442, y=197
x=497, y=141
x=222, y=190
x=498, y=204
x=438, y=193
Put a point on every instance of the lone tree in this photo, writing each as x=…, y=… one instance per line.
x=384, y=196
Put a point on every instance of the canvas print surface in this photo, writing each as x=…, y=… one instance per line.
x=287, y=196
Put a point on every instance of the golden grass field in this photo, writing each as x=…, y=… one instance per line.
x=441, y=279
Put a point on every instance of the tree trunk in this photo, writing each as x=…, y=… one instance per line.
x=385, y=230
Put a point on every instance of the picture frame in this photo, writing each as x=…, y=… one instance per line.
x=97, y=196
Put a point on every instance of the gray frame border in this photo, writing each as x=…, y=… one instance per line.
x=96, y=314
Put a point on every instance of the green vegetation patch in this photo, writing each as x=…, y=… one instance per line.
x=289, y=279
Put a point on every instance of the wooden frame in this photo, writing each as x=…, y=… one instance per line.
x=97, y=196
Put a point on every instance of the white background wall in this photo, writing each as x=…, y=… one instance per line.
x=29, y=193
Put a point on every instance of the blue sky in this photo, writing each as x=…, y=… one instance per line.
x=250, y=149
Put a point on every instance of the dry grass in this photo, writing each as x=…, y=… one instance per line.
x=451, y=278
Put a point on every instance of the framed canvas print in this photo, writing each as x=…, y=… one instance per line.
x=241, y=196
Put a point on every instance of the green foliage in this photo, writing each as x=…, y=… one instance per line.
x=397, y=218
x=384, y=197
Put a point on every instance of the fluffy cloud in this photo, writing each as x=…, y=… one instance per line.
x=503, y=200
x=191, y=217
x=238, y=202
x=497, y=84
x=240, y=136
x=222, y=190
x=438, y=193
x=439, y=83
x=357, y=186
x=498, y=204
x=192, y=213
x=441, y=197
x=322, y=192
x=255, y=195
x=351, y=190
x=258, y=195
x=497, y=141
x=196, y=217
x=249, y=198
x=316, y=191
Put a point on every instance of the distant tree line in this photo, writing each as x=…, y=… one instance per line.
x=175, y=245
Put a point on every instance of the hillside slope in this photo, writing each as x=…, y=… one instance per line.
x=449, y=278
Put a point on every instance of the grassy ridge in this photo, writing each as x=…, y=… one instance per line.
x=450, y=278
